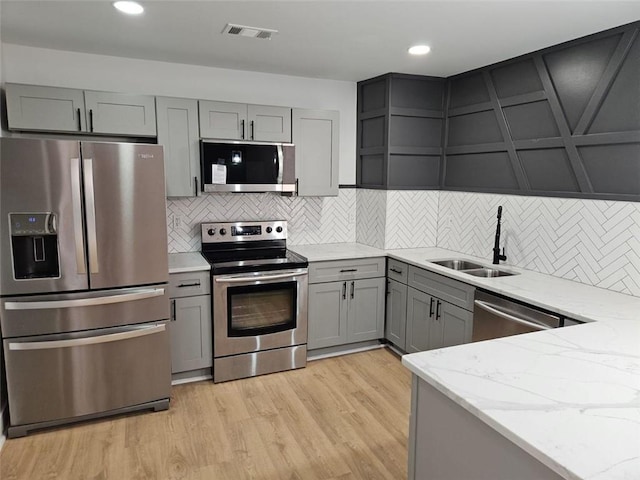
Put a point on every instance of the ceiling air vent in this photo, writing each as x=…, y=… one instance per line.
x=251, y=32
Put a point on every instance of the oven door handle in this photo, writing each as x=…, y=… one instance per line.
x=256, y=278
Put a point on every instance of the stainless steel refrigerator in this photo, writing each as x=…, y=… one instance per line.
x=83, y=285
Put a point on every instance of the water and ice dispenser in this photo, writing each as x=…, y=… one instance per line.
x=34, y=245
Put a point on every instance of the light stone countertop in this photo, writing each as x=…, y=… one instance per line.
x=187, y=262
x=570, y=397
x=336, y=251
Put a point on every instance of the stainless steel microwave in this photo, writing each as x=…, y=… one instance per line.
x=247, y=167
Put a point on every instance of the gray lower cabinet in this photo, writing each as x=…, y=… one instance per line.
x=53, y=109
x=239, y=121
x=439, y=310
x=396, y=316
x=316, y=135
x=190, y=330
x=347, y=311
x=178, y=132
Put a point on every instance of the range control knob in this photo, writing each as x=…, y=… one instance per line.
x=269, y=229
x=211, y=232
x=223, y=231
x=279, y=229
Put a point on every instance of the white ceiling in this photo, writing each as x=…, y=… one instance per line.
x=343, y=40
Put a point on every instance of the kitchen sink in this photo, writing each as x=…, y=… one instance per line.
x=488, y=272
x=471, y=268
x=458, y=264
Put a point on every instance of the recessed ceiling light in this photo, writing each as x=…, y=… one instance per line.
x=132, y=8
x=419, y=50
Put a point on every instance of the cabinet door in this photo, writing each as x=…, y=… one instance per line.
x=457, y=325
x=366, y=309
x=178, y=133
x=31, y=107
x=269, y=124
x=327, y=314
x=396, y=321
x=191, y=341
x=419, y=312
x=121, y=113
x=316, y=136
x=223, y=120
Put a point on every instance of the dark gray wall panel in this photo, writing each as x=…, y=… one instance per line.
x=480, y=170
x=414, y=171
x=372, y=132
x=576, y=71
x=371, y=170
x=531, y=120
x=373, y=96
x=548, y=170
x=516, y=79
x=473, y=129
x=620, y=111
x=415, y=132
x=613, y=168
x=425, y=94
x=467, y=90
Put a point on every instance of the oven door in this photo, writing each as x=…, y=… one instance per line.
x=259, y=311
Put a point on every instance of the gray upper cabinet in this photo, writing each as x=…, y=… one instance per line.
x=316, y=137
x=178, y=133
x=52, y=109
x=120, y=113
x=239, y=121
x=31, y=107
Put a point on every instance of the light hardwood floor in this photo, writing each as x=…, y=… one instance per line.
x=340, y=418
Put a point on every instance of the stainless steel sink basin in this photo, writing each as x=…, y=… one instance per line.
x=488, y=272
x=458, y=264
x=471, y=268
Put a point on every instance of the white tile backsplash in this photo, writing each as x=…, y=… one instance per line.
x=595, y=242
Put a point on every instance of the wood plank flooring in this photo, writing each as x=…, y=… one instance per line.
x=340, y=418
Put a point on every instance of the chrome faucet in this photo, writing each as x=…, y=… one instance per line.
x=496, y=247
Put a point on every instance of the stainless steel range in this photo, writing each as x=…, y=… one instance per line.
x=259, y=299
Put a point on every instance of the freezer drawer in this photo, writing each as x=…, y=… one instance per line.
x=59, y=377
x=70, y=312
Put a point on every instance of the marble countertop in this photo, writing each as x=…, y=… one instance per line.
x=570, y=397
x=336, y=251
x=187, y=262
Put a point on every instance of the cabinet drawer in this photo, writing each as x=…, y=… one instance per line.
x=398, y=271
x=189, y=284
x=346, y=270
x=447, y=289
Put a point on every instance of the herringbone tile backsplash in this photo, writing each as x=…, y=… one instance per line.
x=589, y=241
x=311, y=219
x=596, y=242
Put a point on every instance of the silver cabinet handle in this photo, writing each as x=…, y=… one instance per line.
x=76, y=203
x=491, y=309
x=78, y=342
x=90, y=201
x=85, y=302
x=255, y=278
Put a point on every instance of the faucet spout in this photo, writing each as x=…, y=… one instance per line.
x=496, y=246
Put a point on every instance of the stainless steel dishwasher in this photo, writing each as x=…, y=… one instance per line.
x=495, y=316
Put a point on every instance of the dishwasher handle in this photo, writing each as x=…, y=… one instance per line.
x=496, y=311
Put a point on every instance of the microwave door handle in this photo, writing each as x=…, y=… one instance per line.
x=279, y=165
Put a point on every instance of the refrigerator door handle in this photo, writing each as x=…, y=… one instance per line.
x=90, y=200
x=85, y=302
x=76, y=202
x=132, y=332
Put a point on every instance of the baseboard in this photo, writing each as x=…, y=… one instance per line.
x=191, y=376
x=328, y=352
